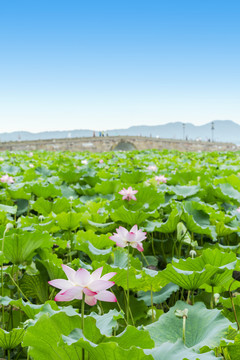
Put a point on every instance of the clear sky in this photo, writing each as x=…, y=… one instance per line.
x=113, y=64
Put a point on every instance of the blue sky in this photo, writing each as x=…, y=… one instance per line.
x=114, y=64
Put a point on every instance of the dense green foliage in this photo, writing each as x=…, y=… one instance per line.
x=62, y=211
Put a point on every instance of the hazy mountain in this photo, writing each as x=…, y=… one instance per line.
x=224, y=130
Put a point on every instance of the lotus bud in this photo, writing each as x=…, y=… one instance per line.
x=216, y=298
x=152, y=313
x=181, y=313
x=68, y=245
x=41, y=218
x=9, y=226
x=192, y=253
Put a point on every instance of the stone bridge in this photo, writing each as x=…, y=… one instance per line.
x=111, y=143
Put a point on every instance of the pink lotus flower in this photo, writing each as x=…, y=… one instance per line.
x=152, y=168
x=128, y=194
x=7, y=179
x=161, y=179
x=81, y=281
x=1, y=159
x=238, y=209
x=101, y=161
x=134, y=237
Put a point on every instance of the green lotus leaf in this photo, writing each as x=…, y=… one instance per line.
x=35, y=286
x=224, y=230
x=84, y=190
x=8, y=209
x=102, y=228
x=22, y=206
x=108, y=187
x=183, y=235
x=184, y=191
x=5, y=300
x=117, y=348
x=97, y=210
x=90, y=177
x=147, y=198
x=225, y=262
x=68, y=191
x=188, y=279
x=42, y=206
x=69, y=221
x=198, y=269
x=9, y=340
x=46, y=190
x=60, y=205
x=52, y=265
x=158, y=297
x=70, y=176
x=3, y=218
x=203, y=327
x=29, y=175
x=107, y=322
x=48, y=224
x=164, y=227
x=232, y=348
x=19, y=191
x=44, y=338
x=134, y=177
x=226, y=192
x=43, y=170
x=144, y=279
x=92, y=252
x=214, y=257
x=32, y=309
x=10, y=169
x=178, y=351
x=45, y=207
x=231, y=179
x=98, y=241
x=120, y=259
x=197, y=220
x=130, y=217
x=20, y=245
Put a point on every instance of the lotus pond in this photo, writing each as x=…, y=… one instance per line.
x=120, y=256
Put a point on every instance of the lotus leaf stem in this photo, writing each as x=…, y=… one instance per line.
x=184, y=329
x=82, y=312
x=233, y=306
x=128, y=287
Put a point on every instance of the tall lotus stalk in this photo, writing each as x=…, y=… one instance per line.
x=132, y=238
x=82, y=314
x=183, y=314
x=236, y=277
x=128, y=305
x=84, y=286
x=8, y=227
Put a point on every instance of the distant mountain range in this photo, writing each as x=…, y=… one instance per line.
x=224, y=131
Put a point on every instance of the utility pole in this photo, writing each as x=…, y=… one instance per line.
x=212, y=128
x=183, y=128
